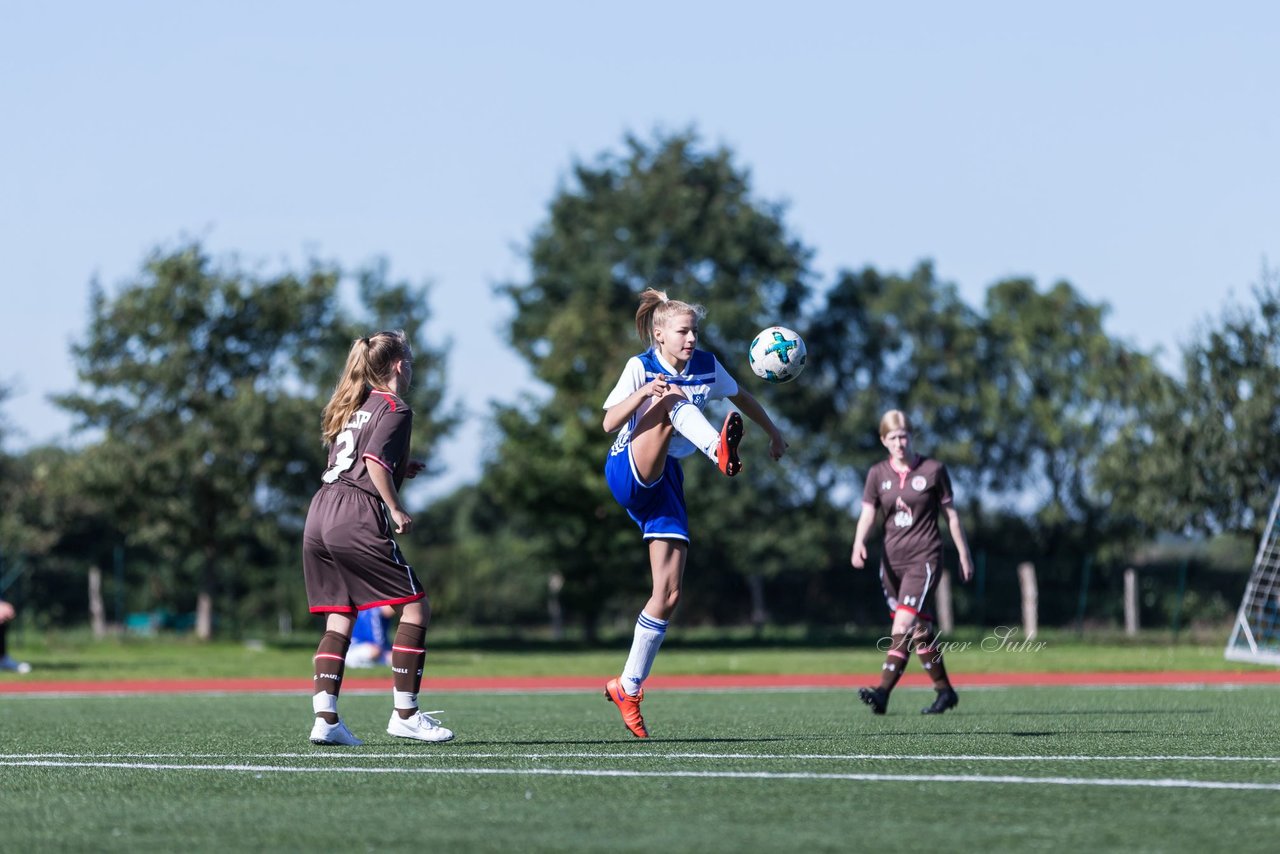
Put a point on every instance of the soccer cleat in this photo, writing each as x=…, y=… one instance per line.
x=420, y=726
x=8, y=663
x=946, y=699
x=628, y=705
x=730, y=437
x=876, y=698
x=327, y=733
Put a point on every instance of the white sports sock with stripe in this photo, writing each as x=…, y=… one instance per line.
x=694, y=426
x=644, y=649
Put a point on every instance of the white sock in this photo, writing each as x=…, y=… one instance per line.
x=644, y=649
x=694, y=426
x=323, y=702
x=404, y=699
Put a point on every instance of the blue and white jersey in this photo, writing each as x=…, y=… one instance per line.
x=703, y=379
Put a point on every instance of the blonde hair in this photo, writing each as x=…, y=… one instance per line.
x=894, y=419
x=656, y=309
x=370, y=364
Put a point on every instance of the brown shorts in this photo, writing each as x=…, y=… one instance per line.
x=910, y=586
x=349, y=559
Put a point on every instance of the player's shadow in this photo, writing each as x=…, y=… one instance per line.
x=965, y=733
x=611, y=742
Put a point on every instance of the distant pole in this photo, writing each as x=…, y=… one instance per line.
x=97, y=613
x=1084, y=593
x=1030, y=599
x=980, y=585
x=555, y=608
x=946, y=616
x=1131, y=602
x=118, y=560
x=1182, y=594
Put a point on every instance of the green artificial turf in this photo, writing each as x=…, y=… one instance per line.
x=732, y=771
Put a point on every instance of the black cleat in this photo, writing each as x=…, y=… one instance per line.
x=730, y=437
x=876, y=698
x=946, y=699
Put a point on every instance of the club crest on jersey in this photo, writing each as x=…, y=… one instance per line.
x=886, y=485
x=918, y=483
x=902, y=514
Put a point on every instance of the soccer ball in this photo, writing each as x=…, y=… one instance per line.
x=777, y=354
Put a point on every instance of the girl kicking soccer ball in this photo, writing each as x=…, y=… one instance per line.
x=658, y=404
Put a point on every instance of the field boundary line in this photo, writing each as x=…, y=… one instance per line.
x=1004, y=779
x=815, y=757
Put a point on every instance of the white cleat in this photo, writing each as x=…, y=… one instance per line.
x=8, y=663
x=327, y=733
x=421, y=726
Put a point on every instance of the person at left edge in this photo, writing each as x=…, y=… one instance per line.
x=350, y=558
x=7, y=613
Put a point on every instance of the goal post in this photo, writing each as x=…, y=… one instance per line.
x=1255, y=637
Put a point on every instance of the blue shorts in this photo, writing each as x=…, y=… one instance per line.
x=658, y=507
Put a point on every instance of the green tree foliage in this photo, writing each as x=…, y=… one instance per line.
x=1057, y=391
x=1021, y=400
x=892, y=342
x=670, y=214
x=205, y=383
x=1205, y=456
x=53, y=529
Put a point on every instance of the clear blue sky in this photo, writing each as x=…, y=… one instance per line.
x=1129, y=148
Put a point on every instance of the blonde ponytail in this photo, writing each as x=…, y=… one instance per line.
x=655, y=309
x=370, y=364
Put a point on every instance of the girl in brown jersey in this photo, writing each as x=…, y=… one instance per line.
x=349, y=557
x=910, y=490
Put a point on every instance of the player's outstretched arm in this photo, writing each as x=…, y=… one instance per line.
x=750, y=407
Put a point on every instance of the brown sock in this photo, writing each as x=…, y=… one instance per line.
x=408, y=653
x=330, y=661
x=931, y=657
x=894, y=663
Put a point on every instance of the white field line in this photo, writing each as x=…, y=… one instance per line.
x=669, y=775
x=353, y=755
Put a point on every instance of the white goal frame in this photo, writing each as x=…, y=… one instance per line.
x=1255, y=637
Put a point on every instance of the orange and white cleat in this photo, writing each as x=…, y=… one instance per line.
x=628, y=705
x=730, y=436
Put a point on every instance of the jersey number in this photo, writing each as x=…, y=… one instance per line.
x=345, y=457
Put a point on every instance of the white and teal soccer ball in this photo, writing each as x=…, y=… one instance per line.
x=777, y=354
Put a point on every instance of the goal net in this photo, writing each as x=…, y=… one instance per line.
x=1256, y=634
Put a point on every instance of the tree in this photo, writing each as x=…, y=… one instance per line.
x=1059, y=391
x=892, y=342
x=206, y=384
x=670, y=214
x=1205, y=456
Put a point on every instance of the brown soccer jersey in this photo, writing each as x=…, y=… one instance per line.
x=377, y=434
x=910, y=502
x=350, y=559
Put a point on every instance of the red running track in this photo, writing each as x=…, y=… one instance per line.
x=26, y=685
